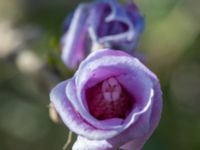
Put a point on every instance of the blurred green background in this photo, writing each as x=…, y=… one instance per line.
x=30, y=67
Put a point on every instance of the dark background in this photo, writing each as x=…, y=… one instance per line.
x=30, y=66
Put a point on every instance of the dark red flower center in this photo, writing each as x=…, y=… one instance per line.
x=109, y=99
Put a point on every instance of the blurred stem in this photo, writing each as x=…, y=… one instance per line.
x=69, y=140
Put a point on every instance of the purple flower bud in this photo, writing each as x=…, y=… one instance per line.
x=105, y=23
x=113, y=101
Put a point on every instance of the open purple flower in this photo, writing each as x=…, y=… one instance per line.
x=113, y=101
x=104, y=22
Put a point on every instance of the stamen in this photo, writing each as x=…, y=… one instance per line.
x=107, y=96
x=111, y=89
x=115, y=96
x=112, y=82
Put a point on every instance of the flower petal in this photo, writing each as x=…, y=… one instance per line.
x=103, y=23
x=73, y=41
x=136, y=18
x=156, y=110
x=138, y=85
x=114, y=26
x=107, y=63
x=70, y=102
x=71, y=117
x=85, y=144
x=82, y=108
x=139, y=132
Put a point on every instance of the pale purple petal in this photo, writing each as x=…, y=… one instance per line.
x=138, y=143
x=71, y=118
x=74, y=41
x=105, y=23
x=106, y=64
x=139, y=85
x=108, y=124
x=85, y=144
x=70, y=101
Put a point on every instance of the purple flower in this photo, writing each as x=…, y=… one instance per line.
x=104, y=22
x=112, y=101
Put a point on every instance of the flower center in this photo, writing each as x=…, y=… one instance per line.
x=109, y=99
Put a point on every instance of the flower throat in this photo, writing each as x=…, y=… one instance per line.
x=109, y=99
